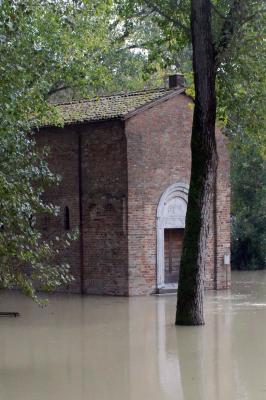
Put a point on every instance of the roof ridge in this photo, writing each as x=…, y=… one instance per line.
x=120, y=94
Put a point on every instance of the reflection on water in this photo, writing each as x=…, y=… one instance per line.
x=97, y=348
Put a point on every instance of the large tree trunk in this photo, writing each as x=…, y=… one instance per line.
x=204, y=165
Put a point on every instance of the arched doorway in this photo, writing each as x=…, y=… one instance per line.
x=171, y=214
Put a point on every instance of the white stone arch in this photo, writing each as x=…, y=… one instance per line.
x=171, y=213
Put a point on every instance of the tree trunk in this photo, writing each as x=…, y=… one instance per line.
x=203, y=172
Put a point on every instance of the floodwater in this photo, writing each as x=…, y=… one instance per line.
x=102, y=348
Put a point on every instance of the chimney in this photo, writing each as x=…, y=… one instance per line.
x=176, y=81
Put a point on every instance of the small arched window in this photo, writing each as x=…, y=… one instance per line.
x=66, y=219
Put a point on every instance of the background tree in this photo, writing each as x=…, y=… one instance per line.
x=248, y=208
x=212, y=28
x=245, y=108
x=46, y=46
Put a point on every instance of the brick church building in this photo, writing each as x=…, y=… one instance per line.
x=125, y=167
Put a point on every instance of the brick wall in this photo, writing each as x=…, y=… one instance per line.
x=63, y=160
x=98, y=151
x=223, y=213
x=104, y=192
x=218, y=275
x=158, y=156
x=158, y=142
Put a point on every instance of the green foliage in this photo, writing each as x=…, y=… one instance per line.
x=242, y=82
x=150, y=27
x=238, y=29
x=128, y=71
x=248, y=208
x=241, y=89
x=45, y=46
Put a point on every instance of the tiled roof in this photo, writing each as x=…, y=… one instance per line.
x=115, y=106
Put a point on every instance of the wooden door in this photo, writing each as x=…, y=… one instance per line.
x=173, y=239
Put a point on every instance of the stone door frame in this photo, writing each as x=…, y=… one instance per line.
x=169, y=217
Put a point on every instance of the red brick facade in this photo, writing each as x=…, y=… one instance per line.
x=113, y=175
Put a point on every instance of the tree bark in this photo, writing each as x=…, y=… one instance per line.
x=204, y=165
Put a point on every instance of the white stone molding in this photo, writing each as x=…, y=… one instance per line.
x=171, y=213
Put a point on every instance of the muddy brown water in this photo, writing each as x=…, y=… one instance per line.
x=103, y=348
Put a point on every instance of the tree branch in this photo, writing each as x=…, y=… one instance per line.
x=134, y=46
x=153, y=7
x=237, y=17
x=218, y=12
x=230, y=26
x=140, y=15
x=253, y=16
x=57, y=89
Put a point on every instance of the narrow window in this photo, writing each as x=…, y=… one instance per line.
x=66, y=219
x=32, y=221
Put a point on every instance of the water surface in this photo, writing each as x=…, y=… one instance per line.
x=103, y=348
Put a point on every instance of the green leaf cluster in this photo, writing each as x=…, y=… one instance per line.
x=248, y=208
x=45, y=47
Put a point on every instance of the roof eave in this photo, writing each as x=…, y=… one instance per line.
x=85, y=121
